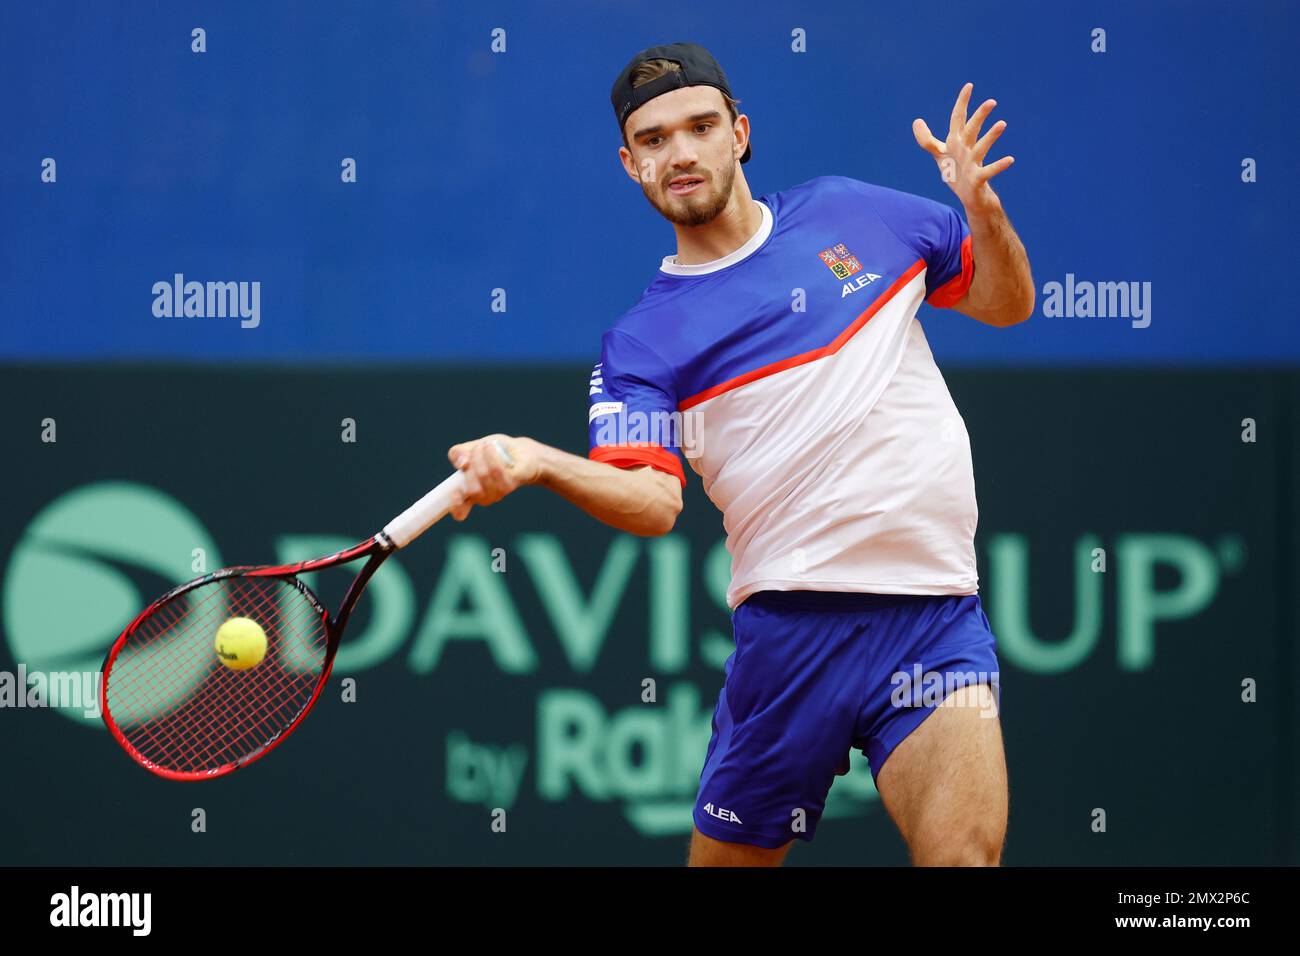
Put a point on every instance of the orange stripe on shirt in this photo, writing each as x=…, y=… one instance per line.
x=812, y=356
x=640, y=453
x=950, y=293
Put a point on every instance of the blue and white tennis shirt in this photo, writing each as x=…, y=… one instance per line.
x=796, y=380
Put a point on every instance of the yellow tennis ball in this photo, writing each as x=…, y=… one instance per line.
x=241, y=643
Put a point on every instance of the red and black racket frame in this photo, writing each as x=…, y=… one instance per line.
x=375, y=549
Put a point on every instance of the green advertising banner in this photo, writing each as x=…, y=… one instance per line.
x=533, y=687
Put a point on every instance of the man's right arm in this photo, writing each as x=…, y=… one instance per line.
x=642, y=500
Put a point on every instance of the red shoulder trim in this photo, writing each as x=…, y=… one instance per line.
x=640, y=453
x=950, y=293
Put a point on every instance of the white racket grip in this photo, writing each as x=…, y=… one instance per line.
x=433, y=507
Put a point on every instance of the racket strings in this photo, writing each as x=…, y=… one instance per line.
x=182, y=708
x=228, y=717
x=259, y=721
x=240, y=715
x=195, y=736
x=147, y=677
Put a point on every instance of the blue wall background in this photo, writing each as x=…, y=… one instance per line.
x=479, y=170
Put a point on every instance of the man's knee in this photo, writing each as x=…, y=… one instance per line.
x=975, y=846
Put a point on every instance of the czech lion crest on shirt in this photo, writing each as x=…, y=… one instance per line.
x=840, y=261
x=845, y=264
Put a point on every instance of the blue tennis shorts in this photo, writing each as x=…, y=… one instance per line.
x=815, y=673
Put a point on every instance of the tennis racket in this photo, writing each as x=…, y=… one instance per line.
x=169, y=694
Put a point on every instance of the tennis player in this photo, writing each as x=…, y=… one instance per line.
x=779, y=353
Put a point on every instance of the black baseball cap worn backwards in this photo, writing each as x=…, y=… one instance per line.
x=698, y=68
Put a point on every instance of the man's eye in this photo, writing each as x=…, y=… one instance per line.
x=703, y=126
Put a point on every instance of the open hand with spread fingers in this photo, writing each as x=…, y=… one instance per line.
x=961, y=155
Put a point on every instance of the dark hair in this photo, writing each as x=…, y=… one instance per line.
x=653, y=69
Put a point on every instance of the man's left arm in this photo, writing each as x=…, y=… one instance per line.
x=1002, y=289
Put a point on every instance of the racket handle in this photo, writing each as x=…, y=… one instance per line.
x=433, y=507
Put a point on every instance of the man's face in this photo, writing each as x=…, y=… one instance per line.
x=683, y=151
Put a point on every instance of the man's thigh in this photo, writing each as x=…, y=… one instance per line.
x=785, y=720
x=945, y=784
x=706, y=851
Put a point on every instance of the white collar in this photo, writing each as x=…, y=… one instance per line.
x=670, y=266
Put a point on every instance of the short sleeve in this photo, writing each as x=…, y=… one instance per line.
x=936, y=233
x=632, y=415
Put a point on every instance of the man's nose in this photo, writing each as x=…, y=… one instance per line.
x=683, y=154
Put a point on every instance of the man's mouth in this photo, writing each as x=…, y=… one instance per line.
x=685, y=184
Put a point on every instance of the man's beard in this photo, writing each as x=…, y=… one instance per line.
x=695, y=209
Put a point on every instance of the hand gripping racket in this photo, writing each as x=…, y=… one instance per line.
x=190, y=704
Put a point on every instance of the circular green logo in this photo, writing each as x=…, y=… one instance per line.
x=78, y=575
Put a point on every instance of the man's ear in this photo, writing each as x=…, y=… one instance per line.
x=629, y=163
x=741, y=125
